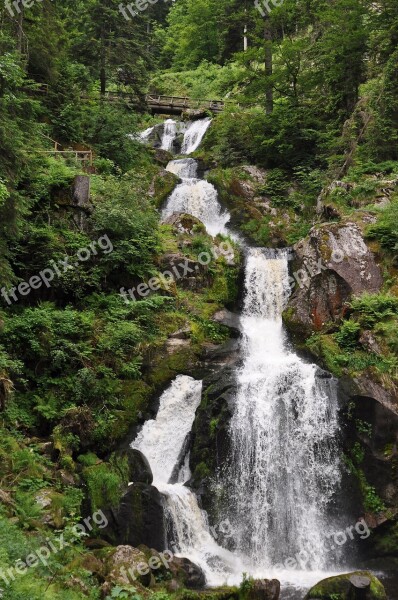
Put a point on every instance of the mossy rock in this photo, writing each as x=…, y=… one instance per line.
x=162, y=186
x=339, y=587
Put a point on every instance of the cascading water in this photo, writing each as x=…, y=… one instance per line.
x=195, y=197
x=162, y=441
x=194, y=135
x=169, y=134
x=284, y=467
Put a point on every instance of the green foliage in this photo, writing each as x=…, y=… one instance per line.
x=348, y=335
x=372, y=308
x=106, y=483
x=385, y=230
x=207, y=81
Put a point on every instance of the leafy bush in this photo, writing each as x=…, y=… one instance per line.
x=348, y=335
x=372, y=308
x=386, y=230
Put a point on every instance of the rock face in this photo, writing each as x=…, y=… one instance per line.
x=360, y=585
x=210, y=435
x=138, y=519
x=139, y=468
x=263, y=589
x=187, y=573
x=332, y=264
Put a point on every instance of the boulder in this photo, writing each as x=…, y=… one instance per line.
x=187, y=273
x=162, y=186
x=331, y=265
x=124, y=566
x=184, y=224
x=162, y=157
x=262, y=589
x=210, y=443
x=360, y=585
x=186, y=572
x=230, y=320
x=139, y=468
x=138, y=519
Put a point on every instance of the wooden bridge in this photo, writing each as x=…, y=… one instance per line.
x=157, y=104
x=167, y=105
x=177, y=105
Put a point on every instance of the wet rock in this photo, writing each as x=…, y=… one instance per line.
x=263, y=589
x=230, y=320
x=210, y=443
x=187, y=573
x=346, y=587
x=138, y=519
x=139, y=467
x=331, y=265
x=81, y=193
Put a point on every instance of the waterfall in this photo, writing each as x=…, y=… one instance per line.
x=185, y=168
x=169, y=134
x=194, y=135
x=162, y=441
x=284, y=467
x=195, y=197
x=143, y=137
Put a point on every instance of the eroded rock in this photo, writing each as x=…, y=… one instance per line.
x=331, y=265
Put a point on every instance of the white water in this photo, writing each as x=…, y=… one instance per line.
x=195, y=197
x=162, y=441
x=194, y=135
x=185, y=168
x=169, y=134
x=284, y=467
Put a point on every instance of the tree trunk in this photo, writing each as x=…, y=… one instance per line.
x=20, y=31
x=103, y=66
x=269, y=93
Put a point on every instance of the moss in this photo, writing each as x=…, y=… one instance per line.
x=337, y=588
x=167, y=366
x=106, y=482
x=385, y=543
x=163, y=183
x=222, y=593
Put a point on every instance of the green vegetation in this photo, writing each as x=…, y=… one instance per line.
x=78, y=365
